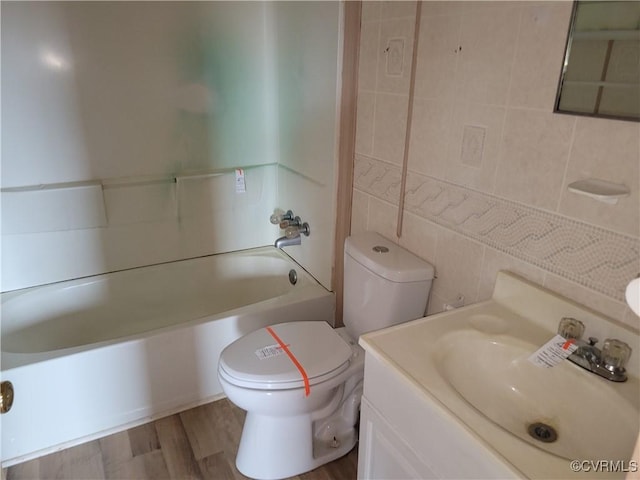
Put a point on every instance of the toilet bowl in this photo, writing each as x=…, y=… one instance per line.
x=290, y=429
x=301, y=382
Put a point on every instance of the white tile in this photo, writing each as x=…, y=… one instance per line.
x=395, y=52
x=488, y=44
x=419, y=236
x=359, y=211
x=438, y=49
x=534, y=155
x=383, y=218
x=459, y=263
x=607, y=150
x=538, y=60
x=390, y=127
x=478, y=172
x=472, y=148
x=365, y=122
x=431, y=132
x=368, y=56
x=398, y=8
x=371, y=10
x=378, y=178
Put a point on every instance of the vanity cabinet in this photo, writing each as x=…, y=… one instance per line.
x=383, y=453
x=407, y=434
x=454, y=395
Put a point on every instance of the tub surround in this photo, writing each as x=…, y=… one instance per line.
x=102, y=180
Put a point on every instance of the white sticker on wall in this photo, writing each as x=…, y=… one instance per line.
x=241, y=186
x=269, y=351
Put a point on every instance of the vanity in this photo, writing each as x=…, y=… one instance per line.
x=457, y=395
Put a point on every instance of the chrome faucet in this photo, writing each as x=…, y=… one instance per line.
x=608, y=363
x=287, y=242
x=293, y=227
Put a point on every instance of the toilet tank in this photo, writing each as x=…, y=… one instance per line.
x=384, y=284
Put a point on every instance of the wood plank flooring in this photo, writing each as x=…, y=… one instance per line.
x=200, y=443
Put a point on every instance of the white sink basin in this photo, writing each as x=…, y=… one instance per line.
x=571, y=412
x=473, y=362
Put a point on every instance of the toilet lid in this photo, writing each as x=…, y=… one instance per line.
x=257, y=360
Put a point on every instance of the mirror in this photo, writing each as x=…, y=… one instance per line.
x=601, y=72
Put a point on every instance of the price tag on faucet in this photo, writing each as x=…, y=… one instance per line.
x=553, y=352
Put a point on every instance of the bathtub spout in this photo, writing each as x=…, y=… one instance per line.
x=287, y=242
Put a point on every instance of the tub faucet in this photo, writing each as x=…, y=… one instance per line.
x=293, y=231
x=287, y=242
x=608, y=363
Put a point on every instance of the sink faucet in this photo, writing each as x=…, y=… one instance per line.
x=608, y=363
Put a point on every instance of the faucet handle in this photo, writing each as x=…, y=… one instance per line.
x=292, y=222
x=570, y=328
x=280, y=216
x=615, y=354
x=592, y=341
x=294, y=231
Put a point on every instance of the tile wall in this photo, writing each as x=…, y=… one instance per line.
x=488, y=160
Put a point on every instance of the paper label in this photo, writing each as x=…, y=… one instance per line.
x=241, y=187
x=553, y=352
x=269, y=351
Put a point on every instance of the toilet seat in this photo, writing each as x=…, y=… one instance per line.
x=258, y=361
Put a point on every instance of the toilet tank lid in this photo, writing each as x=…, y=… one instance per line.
x=395, y=264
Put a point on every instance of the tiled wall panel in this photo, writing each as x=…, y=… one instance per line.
x=489, y=161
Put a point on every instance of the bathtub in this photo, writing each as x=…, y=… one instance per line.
x=97, y=355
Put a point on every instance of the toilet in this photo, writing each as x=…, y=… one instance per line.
x=301, y=382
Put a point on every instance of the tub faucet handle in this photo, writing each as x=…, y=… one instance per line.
x=294, y=222
x=294, y=231
x=280, y=216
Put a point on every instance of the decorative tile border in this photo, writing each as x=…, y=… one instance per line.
x=377, y=178
x=591, y=256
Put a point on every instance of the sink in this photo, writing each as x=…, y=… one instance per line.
x=472, y=363
x=563, y=410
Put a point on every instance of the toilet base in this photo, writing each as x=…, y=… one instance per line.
x=286, y=434
x=278, y=447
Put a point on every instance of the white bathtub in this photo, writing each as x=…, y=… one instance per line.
x=92, y=356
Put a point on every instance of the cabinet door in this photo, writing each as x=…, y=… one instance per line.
x=382, y=454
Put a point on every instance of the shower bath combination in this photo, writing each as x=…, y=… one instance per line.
x=96, y=355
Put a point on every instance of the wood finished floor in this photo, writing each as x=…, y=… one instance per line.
x=200, y=443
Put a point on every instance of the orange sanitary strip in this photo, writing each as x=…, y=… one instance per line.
x=292, y=357
x=568, y=343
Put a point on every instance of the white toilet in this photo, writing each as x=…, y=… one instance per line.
x=301, y=382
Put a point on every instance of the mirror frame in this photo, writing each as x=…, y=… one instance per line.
x=565, y=63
